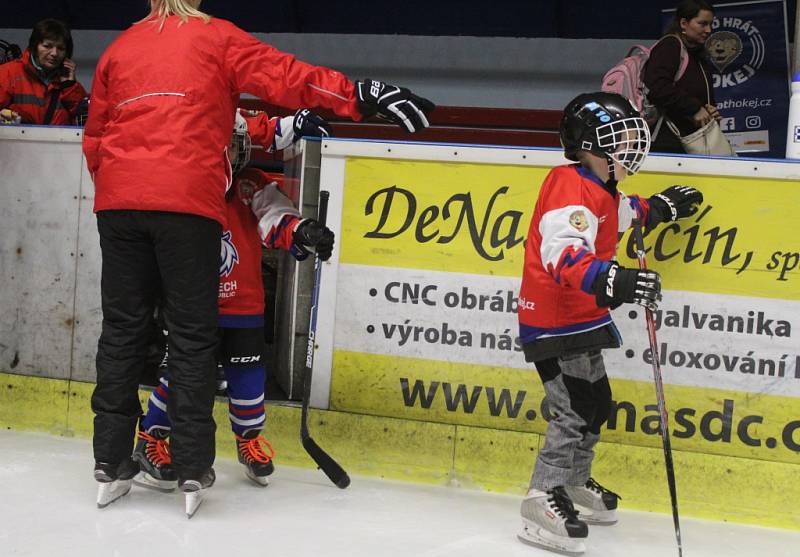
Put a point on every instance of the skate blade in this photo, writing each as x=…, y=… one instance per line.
x=597, y=518
x=260, y=481
x=539, y=537
x=108, y=492
x=193, y=501
x=144, y=479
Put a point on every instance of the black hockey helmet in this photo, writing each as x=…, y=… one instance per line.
x=607, y=125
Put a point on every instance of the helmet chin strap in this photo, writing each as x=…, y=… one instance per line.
x=612, y=173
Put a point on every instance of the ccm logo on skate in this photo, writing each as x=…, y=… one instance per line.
x=245, y=359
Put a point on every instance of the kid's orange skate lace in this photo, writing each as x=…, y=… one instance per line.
x=251, y=449
x=157, y=450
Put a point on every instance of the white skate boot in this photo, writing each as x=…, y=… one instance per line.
x=115, y=480
x=551, y=522
x=597, y=504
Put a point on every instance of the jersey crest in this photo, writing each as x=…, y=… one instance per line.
x=228, y=255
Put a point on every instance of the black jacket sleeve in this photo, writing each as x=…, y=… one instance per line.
x=659, y=78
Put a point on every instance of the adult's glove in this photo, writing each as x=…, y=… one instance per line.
x=308, y=124
x=675, y=202
x=312, y=234
x=396, y=104
x=617, y=285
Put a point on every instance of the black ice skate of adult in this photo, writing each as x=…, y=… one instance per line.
x=331, y=468
x=662, y=407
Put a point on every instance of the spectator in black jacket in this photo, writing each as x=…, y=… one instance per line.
x=688, y=102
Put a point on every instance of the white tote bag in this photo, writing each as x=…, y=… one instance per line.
x=708, y=140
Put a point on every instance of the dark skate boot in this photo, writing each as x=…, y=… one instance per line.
x=114, y=479
x=155, y=462
x=257, y=462
x=194, y=490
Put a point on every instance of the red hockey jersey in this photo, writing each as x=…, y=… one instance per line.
x=573, y=235
x=257, y=213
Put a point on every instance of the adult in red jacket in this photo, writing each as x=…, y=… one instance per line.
x=156, y=142
x=40, y=87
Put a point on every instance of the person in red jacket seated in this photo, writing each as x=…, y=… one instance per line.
x=40, y=87
x=156, y=143
x=258, y=214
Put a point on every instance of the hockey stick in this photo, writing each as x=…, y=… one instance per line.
x=662, y=407
x=331, y=468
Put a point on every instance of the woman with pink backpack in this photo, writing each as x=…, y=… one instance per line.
x=685, y=99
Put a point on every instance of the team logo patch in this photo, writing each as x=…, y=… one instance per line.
x=228, y=255
x=579, y=221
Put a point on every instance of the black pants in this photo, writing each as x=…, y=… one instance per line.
x=147, y=253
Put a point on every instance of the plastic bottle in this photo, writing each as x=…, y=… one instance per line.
x=793, y=131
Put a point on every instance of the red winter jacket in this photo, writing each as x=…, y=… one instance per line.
x=23, y=90
x=162, y=106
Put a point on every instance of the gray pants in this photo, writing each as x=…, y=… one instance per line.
x=578, y=399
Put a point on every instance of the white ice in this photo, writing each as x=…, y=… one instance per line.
x=47, y=508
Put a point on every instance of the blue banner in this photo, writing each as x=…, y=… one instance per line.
x=748, y=52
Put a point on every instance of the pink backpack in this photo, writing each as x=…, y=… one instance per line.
x=626, y=79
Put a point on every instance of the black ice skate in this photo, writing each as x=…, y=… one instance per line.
x=155, y=462
x=597, y=504
x=114, y=479
x=257, y=462
x=551, y=522
x=194, y=490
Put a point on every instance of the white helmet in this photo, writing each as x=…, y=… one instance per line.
x=239, y=148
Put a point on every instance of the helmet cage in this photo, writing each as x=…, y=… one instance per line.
x=240, y=145
x=626, y=142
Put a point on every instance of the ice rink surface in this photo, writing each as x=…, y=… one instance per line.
x=47, y=508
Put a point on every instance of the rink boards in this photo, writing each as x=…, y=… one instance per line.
x=429, y=265
x=418, y=361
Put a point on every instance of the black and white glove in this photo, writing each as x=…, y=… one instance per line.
x=617, y=285
x=308, y=124
x=304, y=123
x=311, y=233
x=675, y=202
x=396, y=104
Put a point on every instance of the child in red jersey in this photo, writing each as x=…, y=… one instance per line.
x=570, y=280
x=257, y=214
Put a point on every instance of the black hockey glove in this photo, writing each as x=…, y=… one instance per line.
x=308, y=124
x=617, y=285
x=675, y=202
x=311, y=234
x=396, y=104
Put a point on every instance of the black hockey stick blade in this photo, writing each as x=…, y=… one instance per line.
x=331, y=468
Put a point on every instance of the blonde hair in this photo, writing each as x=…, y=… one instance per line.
x=160, y=10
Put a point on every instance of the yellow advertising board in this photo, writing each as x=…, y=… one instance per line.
x=431, y=254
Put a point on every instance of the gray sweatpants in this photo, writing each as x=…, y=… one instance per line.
x=578, y=398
